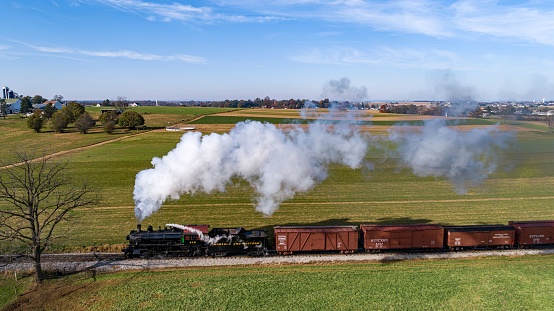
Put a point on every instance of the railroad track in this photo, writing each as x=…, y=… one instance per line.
x=62, y=264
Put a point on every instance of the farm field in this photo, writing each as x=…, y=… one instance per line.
x=494, y=283
x=520, y=189
x=378, y=192
x=16, y=135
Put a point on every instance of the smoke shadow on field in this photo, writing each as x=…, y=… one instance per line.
x=349, y=222
x=322, y=223
x=402, y=221
x=346, y=222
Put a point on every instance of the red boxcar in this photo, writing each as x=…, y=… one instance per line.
x=419, y=236
x=486, y=236
x=529, y=233
x=290, y=239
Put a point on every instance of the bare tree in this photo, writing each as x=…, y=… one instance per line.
x=550, y=122
x=58, y=98
x=35, y=196
x=121, y=104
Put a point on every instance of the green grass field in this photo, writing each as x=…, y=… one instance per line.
x=519, y=283
x=521, y=189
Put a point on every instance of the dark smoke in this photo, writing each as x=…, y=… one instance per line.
x=461, y=96
x=342, y=90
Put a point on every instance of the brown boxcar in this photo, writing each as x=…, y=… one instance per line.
x=529, y=233
x=487, y=236
x=290, y=239
x=418, y=236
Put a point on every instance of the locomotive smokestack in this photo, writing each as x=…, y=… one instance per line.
x=138, y=227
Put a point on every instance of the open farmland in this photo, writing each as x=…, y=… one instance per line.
x=516, y=283
x=521, y=189
x=378, y=192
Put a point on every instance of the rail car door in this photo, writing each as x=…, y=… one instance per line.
x=400, y=239
x=313, y=241
x=425, y=239
x=339, y=241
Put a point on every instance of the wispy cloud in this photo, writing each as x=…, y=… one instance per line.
x=531, y=21
x=416, y=16
x=535, y=24
x=383, y=55
x=182, y=12
x=4, y=55
x=119, y=54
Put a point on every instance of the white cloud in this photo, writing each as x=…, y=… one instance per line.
x=531, y=21
x=181, y=12
x=417, y=16
x=121, y=54
x=384, y=55
x=533, y=24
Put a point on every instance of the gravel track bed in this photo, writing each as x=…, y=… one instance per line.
x=97, y=263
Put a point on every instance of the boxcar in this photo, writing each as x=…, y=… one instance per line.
x=291, y=239
x=530, y=233
x=487, y=236
x=418, y=236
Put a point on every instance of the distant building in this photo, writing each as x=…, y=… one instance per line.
x=58, y=105
x=13, y=106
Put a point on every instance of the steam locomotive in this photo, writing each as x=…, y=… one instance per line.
x=195, y=240
x=198, y=240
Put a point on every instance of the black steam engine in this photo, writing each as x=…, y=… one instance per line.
x=195, y=240
x=237, y=241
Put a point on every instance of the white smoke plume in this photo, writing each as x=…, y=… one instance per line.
x=276, y=163
x=342, y=90
x=464, y=158
x=206, y=239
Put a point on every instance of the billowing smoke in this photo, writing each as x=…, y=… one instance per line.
x=461, y=96
x=342, y=90
x=276, y=163
x=464, y=158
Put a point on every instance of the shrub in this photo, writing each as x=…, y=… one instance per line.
x=130, y=119
x=35, y=121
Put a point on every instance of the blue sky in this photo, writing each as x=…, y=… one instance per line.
x=230, y=49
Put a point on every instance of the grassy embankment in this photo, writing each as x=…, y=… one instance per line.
x=519, y=283
x=520, y=189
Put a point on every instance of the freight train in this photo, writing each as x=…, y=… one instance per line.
x=198, y=240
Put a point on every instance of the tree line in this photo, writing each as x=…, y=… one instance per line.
x=74, y=113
